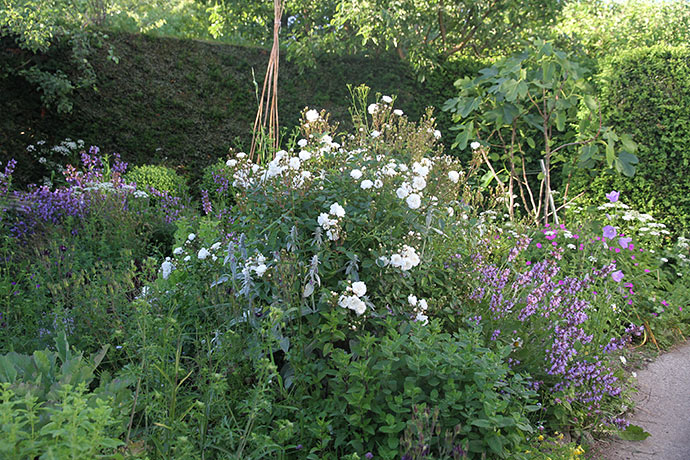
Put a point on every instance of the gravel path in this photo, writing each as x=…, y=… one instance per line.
x=662, y=409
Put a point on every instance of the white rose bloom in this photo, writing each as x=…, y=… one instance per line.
x=304, y=155
x=402, y=192
x=241, y=155
x=418, y=183
x=402, y=167
x=332, y=234
x=412, y=300
x=398, y=112
x=454, y=176
x=475, y=145
x=191, y=237
x=302, y=143
x=232, y=163
x=215, y=246
x=344, y=301
x=372, y=109
x=437, y=134
x=407, y=264
x=312, y=115
x=375, y=134
x=414, y=201
x=167, y=268
x=423, y=305
x=396, y=260
x=358, y=306
x=305, y=174
x=294, y=163
x=323, y=220
x=366, y=184
x=280, y=154
x=255, y=168
x=178, y=251
x=420, y=169
x=188, y=258
x=387, y=99
x=422, y=318
x=359, y=288
x=355, y=174
x=326, y=139
x=203, y=253
x=383, y=261
x=378, y=183
x=260, y=270
x=337, y=210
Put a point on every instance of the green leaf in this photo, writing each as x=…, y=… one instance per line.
x=591, y=103
x=610, y=153
x=633, y=433
x=628, y=143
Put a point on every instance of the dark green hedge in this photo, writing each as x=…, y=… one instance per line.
x=646, y=92
x=184, y=103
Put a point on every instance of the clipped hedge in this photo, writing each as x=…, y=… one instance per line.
x=161, y=178
x=646, y=92
x=185, y=103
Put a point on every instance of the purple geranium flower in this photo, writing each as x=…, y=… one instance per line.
x=610, y=232
x=617, y=276
x=624, y=242
x=613, y=196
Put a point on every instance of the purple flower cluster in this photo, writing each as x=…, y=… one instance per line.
x=552, y=311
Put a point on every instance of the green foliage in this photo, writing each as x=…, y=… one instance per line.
x=422, y=32
x=161, y=178
x=529, y=108
x=370, y=386
x=646, y=92
x=604, y=29
x=72, y=426
x=39, y=26
x=46, y=377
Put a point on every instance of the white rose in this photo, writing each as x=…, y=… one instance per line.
x=366, y=184
x=241, y=155
x=215, y=246
x=398, y=112
x=167, y=268
x=358, y=306
x=412, y=300
x=302, y=143
x=422, y=318
x=312, y=115
x=355, y=174
x=188, y=258
x=375, y=134
x=359, y=288
x=337, y=210
x=178, y=251
x=323, y=220
x=232, y=163
x=387, y=99
x=260, y=270
x=423, y=305
x=437, y=134
x=475, y=145
x=203, y=253
x=304, y=155
x=396, y=260
x=294, y=163
x=372, y=109
x=414, y=201
x=418, y=183
x=378, y=183
x=402, y=192
x=454, y=176
x=191, y=237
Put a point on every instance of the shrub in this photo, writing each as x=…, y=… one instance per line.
x=646, y=92
x=160, y=178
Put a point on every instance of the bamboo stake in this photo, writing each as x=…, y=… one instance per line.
x=268, y=121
